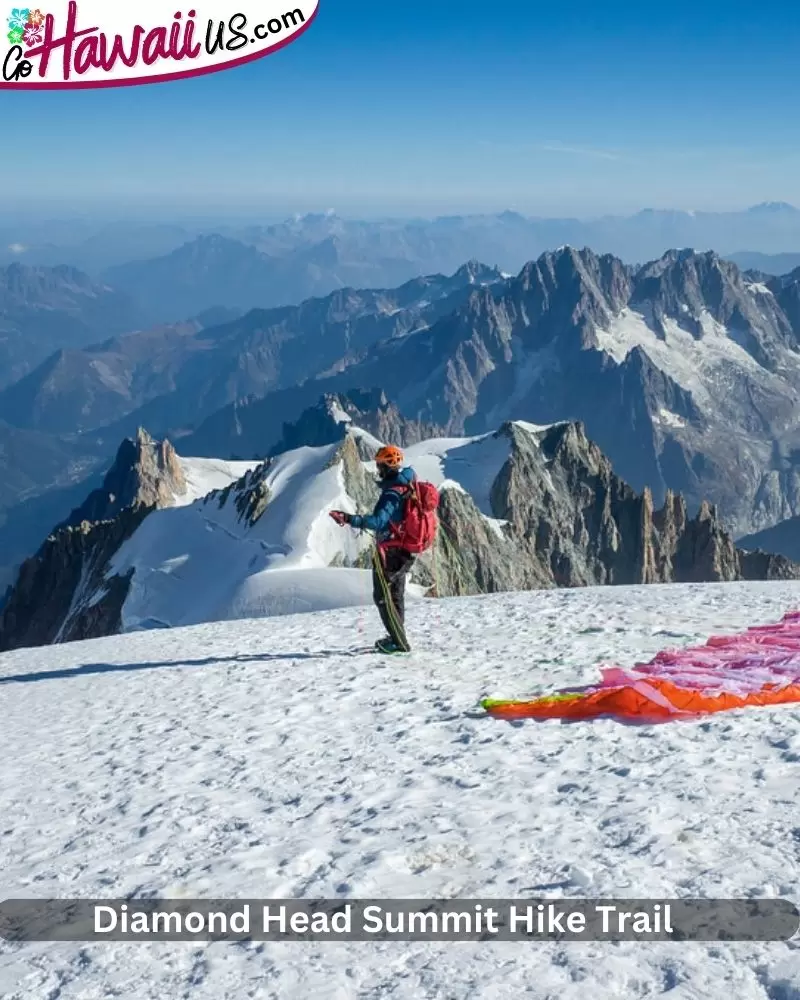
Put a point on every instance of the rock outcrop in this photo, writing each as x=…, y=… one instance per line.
x=64, y=592
x=368, y=409
x=55, y=596
x=145, y=473
x=561, y=517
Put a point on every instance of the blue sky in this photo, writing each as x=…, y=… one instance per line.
x=436, y=107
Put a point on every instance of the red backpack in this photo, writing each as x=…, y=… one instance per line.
x=417, y=530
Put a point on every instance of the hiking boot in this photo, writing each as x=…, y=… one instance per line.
x=388, y=645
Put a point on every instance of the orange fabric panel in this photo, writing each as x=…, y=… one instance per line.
x=630, y=704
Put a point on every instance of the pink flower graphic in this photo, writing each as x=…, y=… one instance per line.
x=33, y=35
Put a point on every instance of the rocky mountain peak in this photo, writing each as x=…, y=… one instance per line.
x=330, y=419
x=209, y=250
x=62, y=592
x=787, y=294
x=474, y=273
x=690, y=288
x=687, y=278
x=213, y=242
x=146, y=473
x=326, y=253
x=773, y=208
x=45, y=286
x=569, y=291
x=569, y=520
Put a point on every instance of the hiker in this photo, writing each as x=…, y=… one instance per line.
x=391, y=562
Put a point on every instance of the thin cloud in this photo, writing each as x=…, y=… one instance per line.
x=553, y=146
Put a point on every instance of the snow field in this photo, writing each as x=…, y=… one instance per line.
x=261, y=758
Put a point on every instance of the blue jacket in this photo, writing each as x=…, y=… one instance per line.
x=389, y=507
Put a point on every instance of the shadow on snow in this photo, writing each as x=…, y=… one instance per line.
x=113, y=668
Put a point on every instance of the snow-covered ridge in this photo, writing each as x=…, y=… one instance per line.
x=758, y=288
x=668, y=418
x=264, y=544
x=213, y=559
x=703, y=365
x=203, y=475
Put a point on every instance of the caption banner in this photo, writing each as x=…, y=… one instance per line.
x=398, y=920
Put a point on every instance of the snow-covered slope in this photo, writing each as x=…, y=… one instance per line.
x=261, y=759
x=203, y=475
x=470, y=464
x=708, y=366
x=210, y=559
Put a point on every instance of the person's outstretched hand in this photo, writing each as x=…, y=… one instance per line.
x=340, y=517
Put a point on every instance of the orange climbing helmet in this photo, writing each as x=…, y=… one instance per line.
x=390, y=456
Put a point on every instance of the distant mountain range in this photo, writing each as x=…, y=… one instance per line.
x=44, y=309
x=211, y=271
x=62, y=421
x=216, y=270
x=177, y=270
x=175, y=375
x=765, y=263
x=87, y=245
x=685, y=371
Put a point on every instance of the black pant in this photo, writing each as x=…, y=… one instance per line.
x=389, y=591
